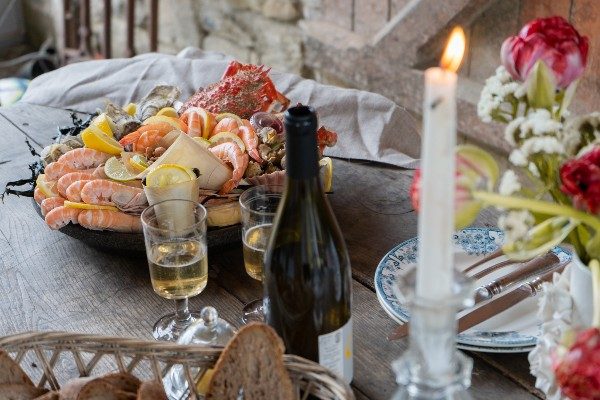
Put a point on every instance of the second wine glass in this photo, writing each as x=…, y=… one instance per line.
x=259, y=206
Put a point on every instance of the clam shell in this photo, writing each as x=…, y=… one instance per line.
x=274, y=178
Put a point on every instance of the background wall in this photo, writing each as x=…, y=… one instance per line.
x=377, y=45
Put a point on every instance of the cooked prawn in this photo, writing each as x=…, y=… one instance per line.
x=231, y=153
x=66, y=180
x=147, y=136
x=195, y=120
x=110, y=220
x=250, y=139
x=61, y=216
x=99, y=172
x=83, y=158
x=55, y=170
x=105, y=192
x=51, y=203
x=73, y=192
x=38, y=196
x=227, y=124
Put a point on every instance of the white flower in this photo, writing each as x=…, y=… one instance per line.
x=517, y=158
x=534, y=170
x=580, y=131
x=516, y=224
x=542, y=145
x=511, y=130
x=509, y=184
x=497, y=89
x=539, y=122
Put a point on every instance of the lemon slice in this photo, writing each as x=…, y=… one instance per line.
x=168, y=112
x=94, y=138
x=138, y=162
x=219, y=117
x=86, y=206
x=203, y=383
x=105, y=124
x=205, y=143
x=130, y=109
x=326, y=171
x=222, y=137
x=116, y=170
x=174, y=122
x=169, y=174
x=47, y=188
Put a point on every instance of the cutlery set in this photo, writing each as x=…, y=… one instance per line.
x=527, y=278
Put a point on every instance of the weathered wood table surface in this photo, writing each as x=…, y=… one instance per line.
x=49, y=281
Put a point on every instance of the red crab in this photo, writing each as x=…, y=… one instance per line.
x=243, y=90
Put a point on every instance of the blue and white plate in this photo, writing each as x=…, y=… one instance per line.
x=513, y=330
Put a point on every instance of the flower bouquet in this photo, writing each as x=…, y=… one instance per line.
x=552, y=193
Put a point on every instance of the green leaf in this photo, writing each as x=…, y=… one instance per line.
x=541, y=238
x=541, y=86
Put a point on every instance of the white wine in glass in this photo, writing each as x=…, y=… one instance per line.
x=255, y=243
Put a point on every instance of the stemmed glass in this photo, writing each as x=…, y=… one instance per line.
x=175, y=237
x=259, y=205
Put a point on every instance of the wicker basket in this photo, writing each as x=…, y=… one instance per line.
x=52, y=358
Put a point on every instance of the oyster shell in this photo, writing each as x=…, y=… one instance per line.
x=123, y=122
x=160, y=97
x=52, y=152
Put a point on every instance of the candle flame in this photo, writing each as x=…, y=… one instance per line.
x=455, y=50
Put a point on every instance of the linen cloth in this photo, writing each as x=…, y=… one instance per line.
x=369, y=126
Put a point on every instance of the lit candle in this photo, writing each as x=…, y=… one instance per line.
x=436, y=210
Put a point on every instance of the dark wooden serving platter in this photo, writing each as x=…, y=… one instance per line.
x=134, y=242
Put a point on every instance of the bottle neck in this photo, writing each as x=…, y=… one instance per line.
x=302, y=158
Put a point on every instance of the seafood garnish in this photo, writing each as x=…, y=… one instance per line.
x=231, y=153
x=123, y=122
x=160, y=97
x=243, y=90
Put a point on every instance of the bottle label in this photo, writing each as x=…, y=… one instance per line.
x=336, y=351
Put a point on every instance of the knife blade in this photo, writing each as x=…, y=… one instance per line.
x=494, y=307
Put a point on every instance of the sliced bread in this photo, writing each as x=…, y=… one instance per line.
x=252, y=364
x=11, y=372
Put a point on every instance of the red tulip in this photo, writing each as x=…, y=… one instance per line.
x=552, y=40
x=578, y=371
x=580, y=179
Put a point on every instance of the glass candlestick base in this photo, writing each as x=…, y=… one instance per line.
x=432, y=368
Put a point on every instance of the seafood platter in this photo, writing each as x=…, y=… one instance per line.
x=227, y=136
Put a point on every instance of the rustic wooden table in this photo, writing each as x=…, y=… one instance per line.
x=49, y=281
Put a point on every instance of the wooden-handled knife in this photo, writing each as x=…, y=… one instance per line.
x=494, y=307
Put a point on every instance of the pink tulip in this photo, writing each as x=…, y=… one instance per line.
x=552, y=40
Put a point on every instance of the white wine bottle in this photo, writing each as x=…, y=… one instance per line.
x=307, y=277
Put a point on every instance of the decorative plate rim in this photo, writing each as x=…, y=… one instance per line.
x=494, y=339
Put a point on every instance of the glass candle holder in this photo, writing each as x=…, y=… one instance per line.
x=432, y=368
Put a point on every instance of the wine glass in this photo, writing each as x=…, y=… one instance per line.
x=175, y=237
x=259, y=205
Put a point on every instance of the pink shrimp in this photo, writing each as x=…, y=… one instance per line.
x=250, y=139
x=83, y=158
x=55, y=170
x=227, y=124
x=199, y=122
x=50, y=204
x=61, y=216
x=231, y=153
x=110, y=220
x=105, y=192
x=73, y=192
x=66, y=180
x=99, y=172
x=38, y=196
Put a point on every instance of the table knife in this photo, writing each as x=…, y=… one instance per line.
x=494, y=307
x=526, y=271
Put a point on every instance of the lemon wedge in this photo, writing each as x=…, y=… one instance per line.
x=174, y=122
x=169, y=174
x=94, y=138
x=47, y=188
x=326, y=171
x=138, y=162
x=104, y=123
x=205, y=143
x=222, y=137
x=168, y=112
x=85, y=206
x=116, y=170
x=130, y=109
